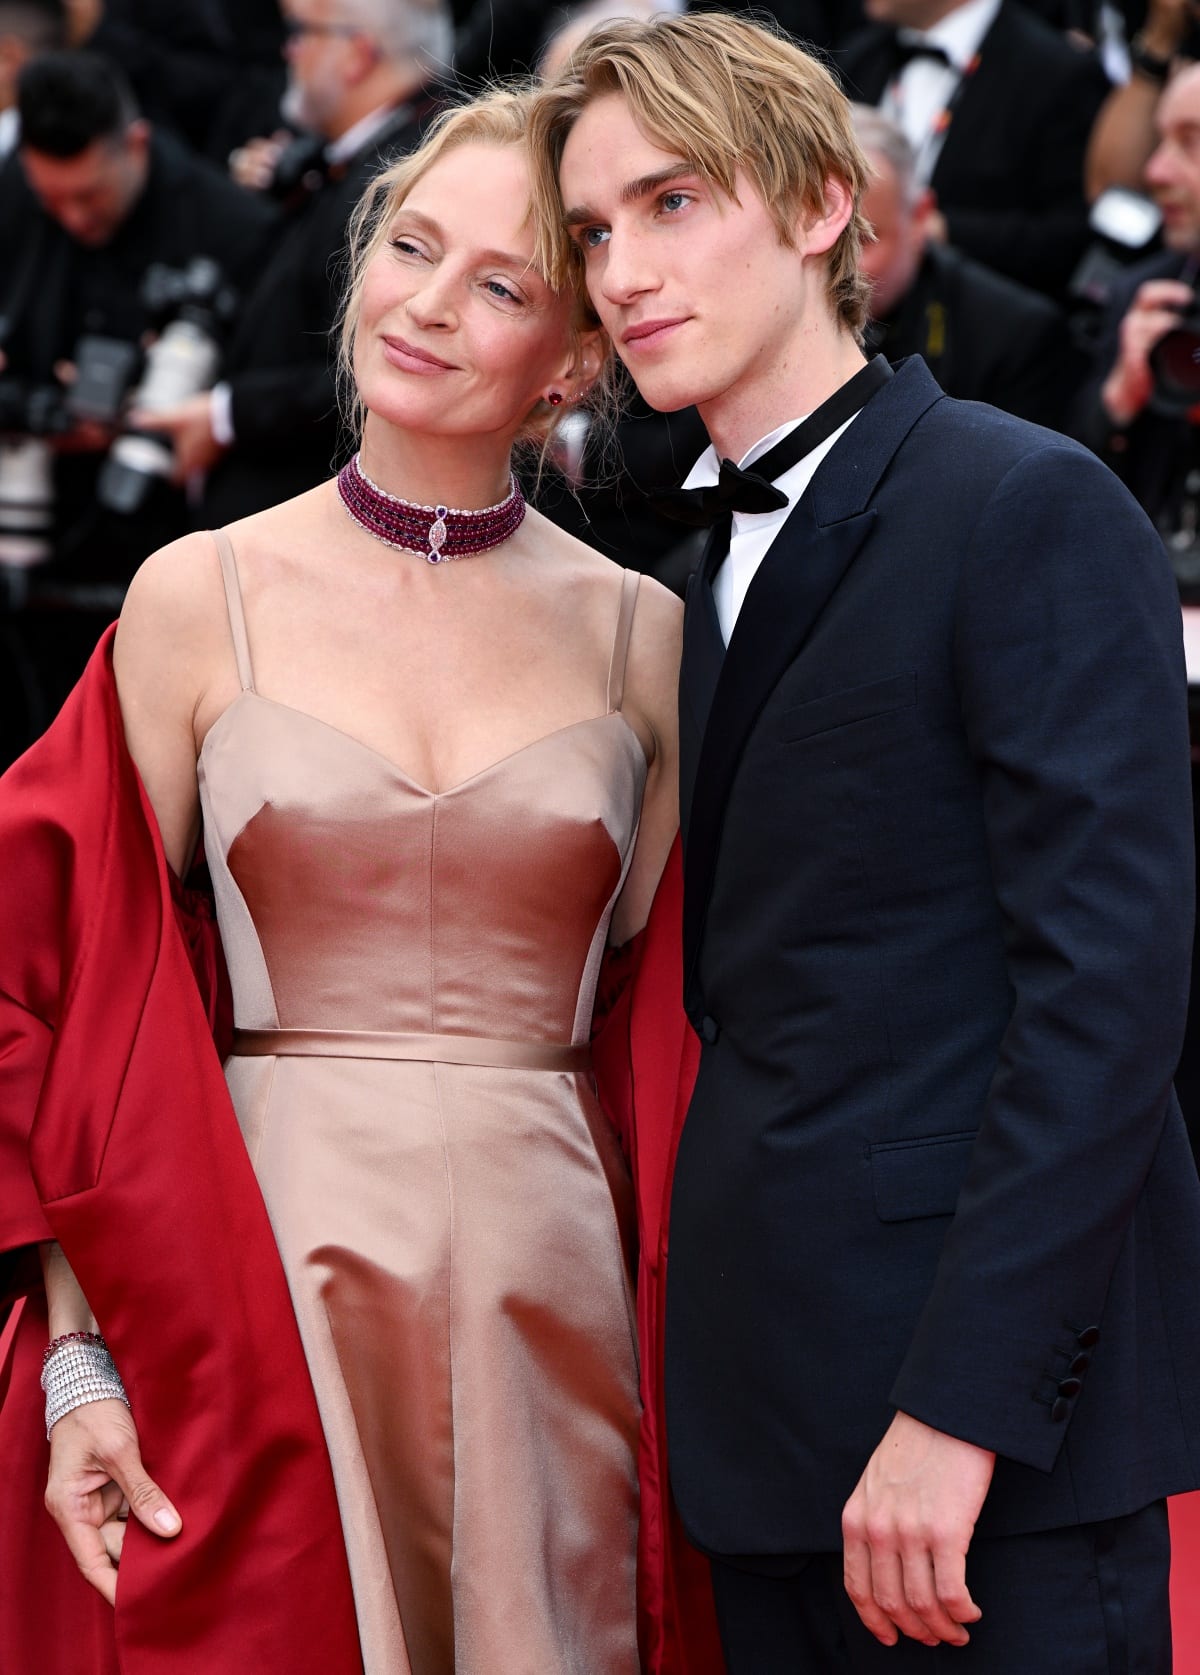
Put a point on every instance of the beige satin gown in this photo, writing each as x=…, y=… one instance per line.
x=413, y=975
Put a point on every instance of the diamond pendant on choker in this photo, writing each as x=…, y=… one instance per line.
x=437, y=533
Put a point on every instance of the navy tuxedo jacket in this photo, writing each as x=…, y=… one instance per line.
x=938, y=914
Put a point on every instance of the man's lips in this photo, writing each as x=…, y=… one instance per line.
x=402, y=353
x=647, y=333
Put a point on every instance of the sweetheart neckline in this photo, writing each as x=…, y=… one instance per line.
x=395, y=768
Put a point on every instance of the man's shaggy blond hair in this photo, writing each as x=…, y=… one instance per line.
x=726, y=95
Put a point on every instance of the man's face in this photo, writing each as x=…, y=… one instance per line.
x=702, y=300
x=318, y=49
x=1173, y=172
x=92, y=194
x=899, y=222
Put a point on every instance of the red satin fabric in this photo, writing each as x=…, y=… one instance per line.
x=645, y=1056
x=117, y=1138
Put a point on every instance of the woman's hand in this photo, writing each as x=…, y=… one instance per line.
x=96, y=1480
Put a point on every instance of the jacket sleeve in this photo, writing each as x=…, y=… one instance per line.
x=1073, y=698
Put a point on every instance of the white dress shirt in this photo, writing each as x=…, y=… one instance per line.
x=916, y=98
x=753, y=532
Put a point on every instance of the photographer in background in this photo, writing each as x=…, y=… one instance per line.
x=984, y=337
x=1122, y=414
x=98, y=200
x=364, y=80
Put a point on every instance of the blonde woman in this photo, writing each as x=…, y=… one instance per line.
x=430, y=742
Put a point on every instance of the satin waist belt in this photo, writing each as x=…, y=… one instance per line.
x=433, y=1049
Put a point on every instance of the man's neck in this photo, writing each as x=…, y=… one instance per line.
x=933, y=13
x=756, y=406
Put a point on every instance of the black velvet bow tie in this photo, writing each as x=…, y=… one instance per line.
x=738, y=490
x=734, y=491
x=904, y=51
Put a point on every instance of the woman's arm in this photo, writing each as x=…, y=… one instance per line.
x=96, y=1474
x=168, y=643
x=651, y=705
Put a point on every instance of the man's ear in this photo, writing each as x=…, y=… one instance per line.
x=364, y=55
x=591, y=351
x=924, y=209
x=137, y=136
x=817, y=235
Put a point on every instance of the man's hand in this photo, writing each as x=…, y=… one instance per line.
x=189, y=427
x=1154, y=312
x=252, y=165
x=906, y=1530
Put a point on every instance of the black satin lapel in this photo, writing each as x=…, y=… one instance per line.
x=703, y=649
x=793, y=585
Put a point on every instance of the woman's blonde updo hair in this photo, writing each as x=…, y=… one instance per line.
x=501, y=118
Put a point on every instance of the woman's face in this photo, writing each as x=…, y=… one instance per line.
x=457, y=334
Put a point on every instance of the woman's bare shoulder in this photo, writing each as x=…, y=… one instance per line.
x=174, y=608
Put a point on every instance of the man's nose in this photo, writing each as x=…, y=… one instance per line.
x=628, y=271
x=1158, y=166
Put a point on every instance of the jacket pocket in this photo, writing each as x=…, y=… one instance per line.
x=921, y=1177
x=857, y=703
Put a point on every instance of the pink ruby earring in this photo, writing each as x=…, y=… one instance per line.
x=555, y=398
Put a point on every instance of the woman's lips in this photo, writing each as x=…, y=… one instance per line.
x=411, y=359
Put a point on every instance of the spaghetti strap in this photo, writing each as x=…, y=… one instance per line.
x=630, y=582
x=237, y=615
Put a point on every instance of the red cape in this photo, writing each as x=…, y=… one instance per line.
x=646, y=1054
x=118, y=1139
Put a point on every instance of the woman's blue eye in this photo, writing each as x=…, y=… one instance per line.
x=499, y=290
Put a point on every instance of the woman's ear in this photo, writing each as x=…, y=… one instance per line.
x=816, y=235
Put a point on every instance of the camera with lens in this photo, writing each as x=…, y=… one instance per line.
x=191, y=308
x=1124, y=226
x=31, y=415
x=300, y=169
x=1175, y=360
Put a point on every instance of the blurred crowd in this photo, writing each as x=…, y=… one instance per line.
x=176, y=178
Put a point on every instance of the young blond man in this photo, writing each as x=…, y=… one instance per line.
x=932, y=1323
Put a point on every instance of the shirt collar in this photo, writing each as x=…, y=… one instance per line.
x=707, y=469
x=960, y=33
x=350, y=143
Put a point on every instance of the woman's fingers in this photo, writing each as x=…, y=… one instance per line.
x=147, y=1503
x=112, y=1533
x=97, y=1480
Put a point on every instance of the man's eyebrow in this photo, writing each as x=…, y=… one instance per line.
x=633, y=191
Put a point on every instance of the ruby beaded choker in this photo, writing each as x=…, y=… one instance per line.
x=438, y=533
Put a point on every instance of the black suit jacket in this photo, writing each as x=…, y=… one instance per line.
x=985, y=338
x=938, y=911
x=280, y=365
x=1009, y=177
